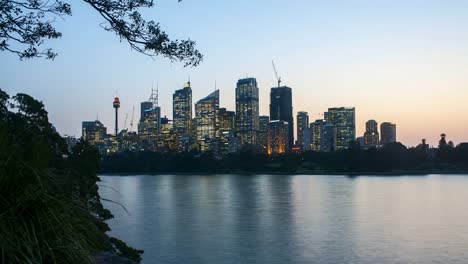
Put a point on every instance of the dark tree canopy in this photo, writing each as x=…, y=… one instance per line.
x=26, y=24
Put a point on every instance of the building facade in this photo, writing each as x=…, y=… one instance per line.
x=247, y=110
x=344, y=120
x=207, y=116
x=387, y=133
x=302, y=129
x=94, y=132
x=263, y=133
x=281, y=109
x=371, y=136
x=278, y=138
x=182, y=110
x=328, y=137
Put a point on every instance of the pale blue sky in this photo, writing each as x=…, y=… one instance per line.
x=399, y=61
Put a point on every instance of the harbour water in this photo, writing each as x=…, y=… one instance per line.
x=291, y=219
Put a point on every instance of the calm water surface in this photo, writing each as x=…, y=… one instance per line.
x=291, y=219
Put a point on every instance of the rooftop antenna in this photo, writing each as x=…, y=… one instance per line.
x=278, y=78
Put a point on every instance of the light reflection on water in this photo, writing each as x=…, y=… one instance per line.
x=292, y=219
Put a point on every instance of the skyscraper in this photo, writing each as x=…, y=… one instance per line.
x=387, y=133
x=182, y=110
x=278, y=138
x=281, y=109
x=207, y=116
x=247, y=110
x=371, y=136
x=315, y=128
x=227, y=120
x=344, y=119
x=94, y=132
x=302, y=126
x=144, y=107
x=328, y=137
x=263, y=132
x=150, y=121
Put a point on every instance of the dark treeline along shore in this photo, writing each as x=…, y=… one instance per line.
x=394, y=158
x=50, y=208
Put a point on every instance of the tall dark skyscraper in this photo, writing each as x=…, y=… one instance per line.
x=182, y=110
x=344, y=120
x=387, y=133
x=145, y=106
x=302, y=126
x=281, y=109
x=247, y=110
x=263, y=132
x=371, y=136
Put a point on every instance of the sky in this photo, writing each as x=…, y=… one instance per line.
x=396, y=61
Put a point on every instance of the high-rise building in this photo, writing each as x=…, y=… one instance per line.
x=387, y=133
x=328, y=137
x=315, y=130
x=278, y=138
x=149, y=126
x=371, y=136
x=94, y=133
x=182, y=110
x=247, y=110
x=303, y=126
x=344, y=120
x=227, y=120
x=281, y=109
x=263, y=132
x=207, y=116
x=144, y=107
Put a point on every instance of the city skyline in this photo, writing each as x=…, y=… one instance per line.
x=398, y=62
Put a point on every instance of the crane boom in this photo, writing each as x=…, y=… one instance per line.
x=131, y=120
x=278, y=78
x=125, y=122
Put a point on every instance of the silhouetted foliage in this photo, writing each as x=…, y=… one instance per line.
x=26, y=24
x=50, y=208
x=391, y=158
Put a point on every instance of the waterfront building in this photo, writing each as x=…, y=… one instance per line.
x=328, y=137
x=94, y=132
x=247, y=110
x=344, y=120
x=228, y=143
x=227, y=120
x=315, y=130
x=182, y=110
x=281, y=109
x=371, y=136
x=150, y=118
x=387, y=133
x=302, y=129
x=144, y=107
x=278, y=138
x=207, y=116
x=263, y=133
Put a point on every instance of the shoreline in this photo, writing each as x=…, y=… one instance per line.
x=349, y=174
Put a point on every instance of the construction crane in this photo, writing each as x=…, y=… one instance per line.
x=131, y=120
x=125, y=122
x=278, y=78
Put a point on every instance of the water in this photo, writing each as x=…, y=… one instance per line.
x=292, y=219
